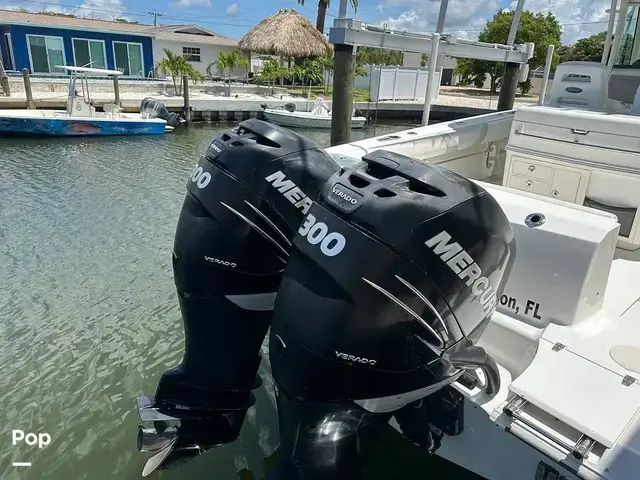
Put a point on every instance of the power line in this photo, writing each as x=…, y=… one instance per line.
x=155, y=16
x=132, y=14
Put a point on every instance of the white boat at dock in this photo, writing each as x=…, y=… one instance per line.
x=318, y=117
x=81, y=118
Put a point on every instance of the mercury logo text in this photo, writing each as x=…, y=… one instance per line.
x=353, y=358
x=289, y=190
x=345, y=196
x=331, y=243
x=461, y=263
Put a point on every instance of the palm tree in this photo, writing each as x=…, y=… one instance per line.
x=177, y=66
x=295, y=71
x=322, y=12
x=271, y=71
x=228, y=62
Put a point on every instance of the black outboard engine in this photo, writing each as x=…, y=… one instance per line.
x=156, y=109
x=246, y=199
x=396, y=272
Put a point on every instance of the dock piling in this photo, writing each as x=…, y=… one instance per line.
x=185, y=93
x=344, y=70
x=116, y=90
x=509, y=86
x=27, y=89
x=4, y=84
x=342, y=102
x=4, y=80
x=511, y=70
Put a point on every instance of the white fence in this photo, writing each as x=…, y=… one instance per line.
x=402, y=83
x=394, y=83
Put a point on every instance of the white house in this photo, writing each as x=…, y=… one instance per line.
x=448, y=65
x=199, y=44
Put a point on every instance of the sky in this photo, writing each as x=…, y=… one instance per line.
x=465, y=18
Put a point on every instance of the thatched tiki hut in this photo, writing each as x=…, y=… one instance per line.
x=286, y=34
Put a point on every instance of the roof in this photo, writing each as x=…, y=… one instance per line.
x=165, y=32
x=285, y=33
x=191, y=38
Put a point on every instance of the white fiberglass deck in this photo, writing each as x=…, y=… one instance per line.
x=566, y=335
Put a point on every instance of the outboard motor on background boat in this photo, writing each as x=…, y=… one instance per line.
x=245, y=200
x=396, y=272
x=156, y=109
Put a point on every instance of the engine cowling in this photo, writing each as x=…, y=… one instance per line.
x=245, y=200
x=396, y=273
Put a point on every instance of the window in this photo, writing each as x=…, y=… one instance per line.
x=11, y=64
x=629, y=52
x=45, y=53
x=128, y=57
x=192, y=53
x=89, y=53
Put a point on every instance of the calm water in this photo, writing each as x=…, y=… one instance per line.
x=89, y=318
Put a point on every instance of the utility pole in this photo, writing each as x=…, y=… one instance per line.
x=155, y=16
x=344, y=66
x=511, y=70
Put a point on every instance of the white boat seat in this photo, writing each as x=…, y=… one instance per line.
x=580, y=85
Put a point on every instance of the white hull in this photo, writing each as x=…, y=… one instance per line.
x=577, y=268
x=305, y=119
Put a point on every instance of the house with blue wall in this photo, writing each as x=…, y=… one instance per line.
x=39, y=42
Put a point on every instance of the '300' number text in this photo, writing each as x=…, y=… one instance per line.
x=200, y=177
x=331, y=243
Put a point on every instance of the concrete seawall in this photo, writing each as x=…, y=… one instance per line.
x=234, y=109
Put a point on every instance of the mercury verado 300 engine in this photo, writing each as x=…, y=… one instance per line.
x=156, y=109
x=246, y=199
x=396, y=272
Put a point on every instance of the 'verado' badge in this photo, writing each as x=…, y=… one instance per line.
x=289, y=190
x=331, y=243
x=220, y=262
x=345, y=196
x=353, y=358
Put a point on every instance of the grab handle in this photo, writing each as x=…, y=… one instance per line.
x=476, y=357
